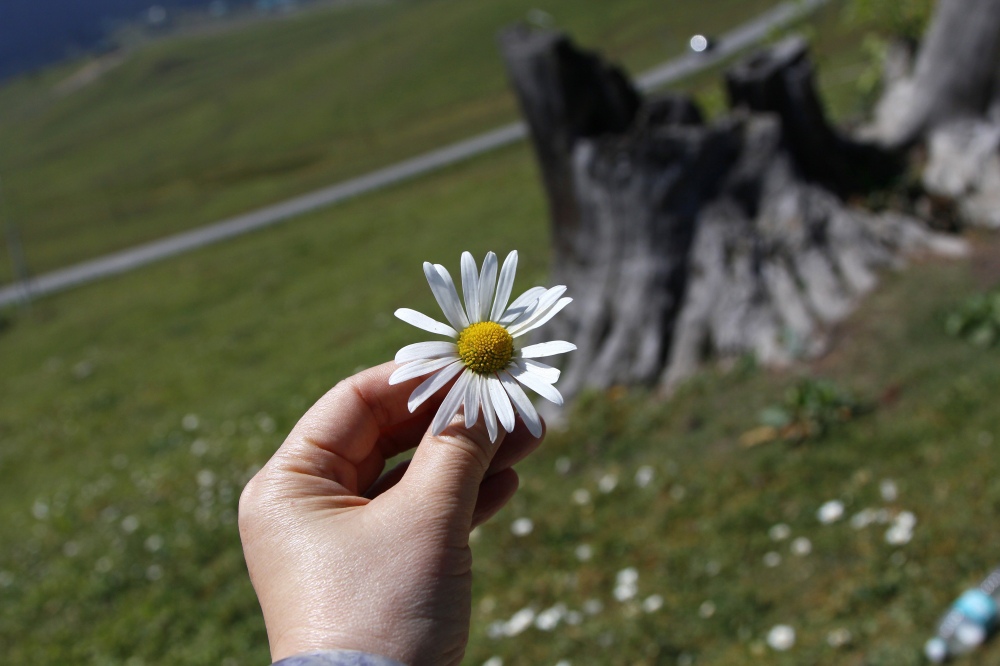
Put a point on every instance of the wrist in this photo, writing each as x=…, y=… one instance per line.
x=337, y=658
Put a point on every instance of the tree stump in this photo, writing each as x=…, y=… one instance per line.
x=950, y=104
x=780, y=80
x=955, y=75
x=679, y=239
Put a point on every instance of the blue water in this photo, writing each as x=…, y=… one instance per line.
x=34, y=33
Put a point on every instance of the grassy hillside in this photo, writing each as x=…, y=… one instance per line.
x=132, y=417
x=191, y=130
x=133, y=410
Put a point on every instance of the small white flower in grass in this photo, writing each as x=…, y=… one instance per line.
x=901, y=530
x=522, y=527
x=779, y=532
x=199, y=447
x=584, y=552
x=40, y=510
x=493, y=661
x=130, y=524
x=190, y=422
x=206, y=478
x=652, y=603
x=519, y=621
x=897, y=535
x=830, y=512
x=772, y=559
x=550, y=618
x=889, y=490
x=706, y=610
x=906, y=519
x=863, y=518
x=644, y=476
x=483, y=352
x=626, y=584
x=627, y=576
x=581, y=496
x=801, y=546
x=607, y=483
x=781, y=637
x=838, y=637
x=592, y=606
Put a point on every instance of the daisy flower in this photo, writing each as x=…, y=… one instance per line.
x=483, y=352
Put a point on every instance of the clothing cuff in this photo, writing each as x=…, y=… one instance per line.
x=337, y=658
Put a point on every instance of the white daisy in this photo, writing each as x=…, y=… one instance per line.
x=483, y=353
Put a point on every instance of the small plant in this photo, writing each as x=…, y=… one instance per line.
x=977, y=319
x=808, y=411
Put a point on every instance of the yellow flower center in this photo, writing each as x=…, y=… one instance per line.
x=485, y=347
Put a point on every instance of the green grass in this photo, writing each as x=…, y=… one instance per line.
x=97, y=383
x=698, y=533
x=192, y=130
x=120, y=541
x=133, y=410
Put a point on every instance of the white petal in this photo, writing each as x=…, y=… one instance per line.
x=418, y=369
x=547, y=349
x=451, y=403
x=523, y=405
x=472, y=399
x=520, y=305
x=505, y=286
x=487, y=282
x=501, y=403
x=423, y=322
x=470, y=285
x=422, y=351
x=537, y=384
x=546, y=372
x=537, y=310
x=539, y=319
x=488, y=414
x=443, y=288
x=433, y=383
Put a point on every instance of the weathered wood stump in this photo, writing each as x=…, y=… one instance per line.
x=949, y=103
x=780, y=80
x=679, y=239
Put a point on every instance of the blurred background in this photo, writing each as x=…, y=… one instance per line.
x=647, y=531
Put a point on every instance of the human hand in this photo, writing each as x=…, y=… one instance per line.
x=343, y=557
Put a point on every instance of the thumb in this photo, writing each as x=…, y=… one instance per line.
x=443, y=479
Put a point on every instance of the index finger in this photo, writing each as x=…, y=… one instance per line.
x=362, y=416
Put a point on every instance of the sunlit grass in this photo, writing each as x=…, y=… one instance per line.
x=192, y=130
x=132, y=411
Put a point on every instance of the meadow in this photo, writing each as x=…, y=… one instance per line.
x=191, y=130
x=645, y=532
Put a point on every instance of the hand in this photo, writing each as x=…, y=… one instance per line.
x=343, y=559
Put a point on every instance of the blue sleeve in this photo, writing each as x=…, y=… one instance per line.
x=337, y=658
